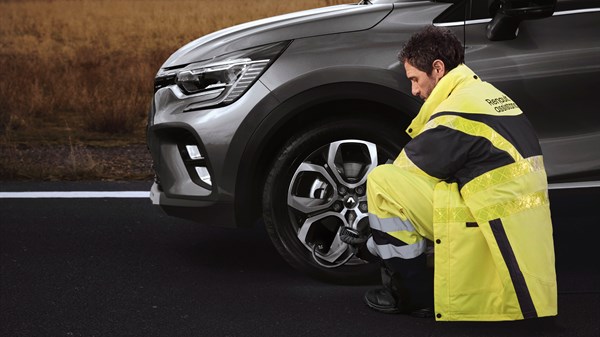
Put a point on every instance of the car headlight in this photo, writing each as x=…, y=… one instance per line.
x=221, y=80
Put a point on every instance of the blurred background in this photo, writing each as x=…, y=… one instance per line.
x=77, y=78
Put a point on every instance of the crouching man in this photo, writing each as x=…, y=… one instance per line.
x=472, y=182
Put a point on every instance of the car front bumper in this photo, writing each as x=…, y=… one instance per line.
x=179, y=188
x=206, y=212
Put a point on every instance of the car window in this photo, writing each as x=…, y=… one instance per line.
x=476, y=9
x=481, y=9
x=566, y=5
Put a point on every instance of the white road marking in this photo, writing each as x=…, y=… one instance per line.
x=75, y=195
x=146, y=194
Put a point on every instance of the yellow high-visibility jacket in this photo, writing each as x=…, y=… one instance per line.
x=494, y=252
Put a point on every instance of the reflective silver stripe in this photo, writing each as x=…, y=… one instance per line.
x=486, y=20
x=583, y=184
x=461, y=23
x=577, y=11
x=372, y=246
x=388, y=225
x=391, y=251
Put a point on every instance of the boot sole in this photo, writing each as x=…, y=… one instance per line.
x=385, y=310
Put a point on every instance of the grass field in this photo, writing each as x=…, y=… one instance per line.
x=80, y=72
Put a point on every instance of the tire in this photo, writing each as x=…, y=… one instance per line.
x=316, y=185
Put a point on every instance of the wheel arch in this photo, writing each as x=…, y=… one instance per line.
x=271, y=132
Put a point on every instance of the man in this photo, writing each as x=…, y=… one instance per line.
x=472, y=182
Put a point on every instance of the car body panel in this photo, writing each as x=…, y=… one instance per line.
x=320, y=21
x=310, y=62
x=349, y=54
x=213, y=127
x=549, y=72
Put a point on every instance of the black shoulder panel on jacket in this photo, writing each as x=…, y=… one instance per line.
x=516, y=129
x=452, y=155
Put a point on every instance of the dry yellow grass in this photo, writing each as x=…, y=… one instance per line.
x=77, y=76
x=90, y=64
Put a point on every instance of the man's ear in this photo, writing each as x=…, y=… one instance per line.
x=439, y=68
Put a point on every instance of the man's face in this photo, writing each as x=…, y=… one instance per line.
x=423, y=84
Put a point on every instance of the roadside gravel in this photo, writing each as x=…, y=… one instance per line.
x=64, y=162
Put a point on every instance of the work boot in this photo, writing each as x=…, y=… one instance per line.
x=384, y=301
x=381, y=300
x=409, y=290
x=422, y=313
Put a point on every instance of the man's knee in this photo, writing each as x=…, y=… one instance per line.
x=381, y=173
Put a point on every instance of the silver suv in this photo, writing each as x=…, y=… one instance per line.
x=282, y=119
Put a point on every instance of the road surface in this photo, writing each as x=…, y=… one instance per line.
x=107, y=266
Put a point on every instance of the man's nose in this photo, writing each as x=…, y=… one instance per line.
x=415, y=90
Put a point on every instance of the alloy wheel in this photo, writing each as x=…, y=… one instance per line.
x=328, y=191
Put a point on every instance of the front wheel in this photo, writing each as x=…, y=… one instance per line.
x=317, y=185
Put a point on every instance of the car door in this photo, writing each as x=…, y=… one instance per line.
x=552, y=71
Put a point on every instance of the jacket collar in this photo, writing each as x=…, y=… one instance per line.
x=450, y=82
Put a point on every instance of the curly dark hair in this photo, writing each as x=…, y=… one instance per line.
x=430, y=44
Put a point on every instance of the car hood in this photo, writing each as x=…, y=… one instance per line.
x=320, y=21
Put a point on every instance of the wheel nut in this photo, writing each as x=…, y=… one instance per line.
x=337, y=206
x=360, y=190
x=350, y=217
x=363, y=207
x=342, y=190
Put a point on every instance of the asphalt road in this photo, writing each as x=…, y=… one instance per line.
x=120, y=267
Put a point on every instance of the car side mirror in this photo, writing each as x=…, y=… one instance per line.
x=510, y=13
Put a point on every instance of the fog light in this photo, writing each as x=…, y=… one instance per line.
x=194, y=152
x=203, y=174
